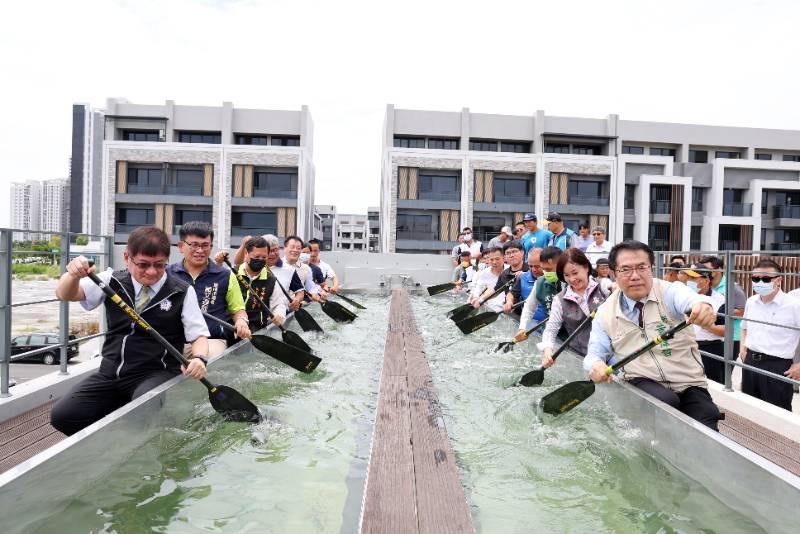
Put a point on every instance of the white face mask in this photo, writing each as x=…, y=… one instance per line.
x=304, y=257
x=763, y=288
x=467, y=237
x=691, y=284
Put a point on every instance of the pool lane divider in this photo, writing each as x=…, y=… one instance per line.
x=412, y=479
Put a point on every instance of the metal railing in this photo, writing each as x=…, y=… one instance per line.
x=453, y=196
x=513, y=199
x=662, y=207
x=737, y=209
x=422, y=236
x=63, y=254
x=575, y=200
x=729, y=271
x=786, y=212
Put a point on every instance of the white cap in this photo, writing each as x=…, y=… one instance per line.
x=506, y=230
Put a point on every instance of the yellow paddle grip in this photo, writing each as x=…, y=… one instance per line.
x=609, y=370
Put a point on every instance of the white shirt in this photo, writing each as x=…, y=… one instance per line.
x=770, y=338
x=327, y=270
x=700, y=333
x=194, y=325
x=594, y=251
x=487, y=280
x=474, y=248
x=304, y=272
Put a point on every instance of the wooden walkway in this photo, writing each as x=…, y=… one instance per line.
x=26, y=435
x=412, y=480
x=774, y=447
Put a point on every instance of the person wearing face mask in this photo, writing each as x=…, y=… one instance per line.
x=770, y=346
x=264, y=284
x=544, y=291
x=474, y=247
x=464, y=273
x=709, y=338
x=523, y=285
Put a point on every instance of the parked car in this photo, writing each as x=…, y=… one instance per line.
x=29, y=342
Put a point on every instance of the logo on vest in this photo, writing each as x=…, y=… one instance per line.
x=166, y=305
x=661, y=328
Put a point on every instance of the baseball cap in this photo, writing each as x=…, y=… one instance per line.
x=602, y=261
x=507, y=230
x=553, y=216
x=697, y=271
x=530, y=217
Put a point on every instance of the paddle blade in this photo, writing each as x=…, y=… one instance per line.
x=351, y=302
x=337, y=312
x=295, y=358
x=233, y=405
x=464, y=315
x=471, y=324
x=460, y=310
x=567, y=397
x=533, y=378
x=505, y=346
x=306, y=321
x=441, y=288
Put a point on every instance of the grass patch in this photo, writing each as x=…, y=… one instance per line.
x=34, y=271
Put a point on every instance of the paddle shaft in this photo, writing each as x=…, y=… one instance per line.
x=669, y=334
x=351, y=301
x=481, y=301
x=116, y=299
x=249, y=288
x=577, y=331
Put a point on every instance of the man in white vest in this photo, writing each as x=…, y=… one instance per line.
x=640, y=309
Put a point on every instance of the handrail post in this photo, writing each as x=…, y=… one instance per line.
x=729, y=322
x=63, y=308
x=6, y=253
x=659, y=264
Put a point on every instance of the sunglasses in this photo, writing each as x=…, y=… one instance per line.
x=764, y=278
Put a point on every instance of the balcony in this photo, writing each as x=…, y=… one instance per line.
x=659, y=244
x=240, y=231
x=786, y=212
x=785, y=246
x=661, y=207
x=737, y=210
x=169, y=189
x=513, y=199
x=121, y=228
x=418, y=235
x=575, y=200
x=274, y=193
x=449, y=196
x=728, y=244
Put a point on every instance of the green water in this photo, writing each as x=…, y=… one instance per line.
x=584, y=472
x=301, y=471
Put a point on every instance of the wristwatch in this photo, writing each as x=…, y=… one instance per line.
x=201, y=358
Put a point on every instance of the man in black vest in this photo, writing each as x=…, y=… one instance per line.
x=133, y=362
x=258, y=276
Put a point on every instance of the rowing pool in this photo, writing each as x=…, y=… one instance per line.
x=303, y=469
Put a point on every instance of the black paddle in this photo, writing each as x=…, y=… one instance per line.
x=292, y=338
x=227, y=401
x=570, y=395
x=351, y=302
x=472, y=324
x=441, y=288
x=536, y=376
x=304, y=319
x=292, y=356
x=337, y=312
x=463, y=311
x=506, y=346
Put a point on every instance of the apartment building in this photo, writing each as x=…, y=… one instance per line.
x=245, y=171
x=327, y=214
x=26, y=208
x=352, y=232
x=373, y=220
x=676, y=186
x=55, y=205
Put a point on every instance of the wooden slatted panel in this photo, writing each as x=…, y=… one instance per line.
x=402, y=183
x=122, y=177
x=238, y=180
x=291, y=221
x=413, y=172
x=444, y=225
x=455, y=224
x=159, y=216
x=281, y=222
x=676, y=218
x=478, y=193
x=488, y=186
x=169, y=218
x=208, y=180
x=247, y=185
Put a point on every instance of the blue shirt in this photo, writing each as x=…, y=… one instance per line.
x=564, y=240
x=537, y=239
x=677, y=299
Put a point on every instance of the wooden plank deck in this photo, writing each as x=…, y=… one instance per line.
x=26, y=435
x=774, y=447
x=412, y=480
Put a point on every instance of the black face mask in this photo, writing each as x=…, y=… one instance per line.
x=256, y=265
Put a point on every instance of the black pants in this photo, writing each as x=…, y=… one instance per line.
x=694, y=401
x=98, y=395
x=715, y=369
x=766, y=388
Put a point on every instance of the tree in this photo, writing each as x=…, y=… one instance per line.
x=82, y=240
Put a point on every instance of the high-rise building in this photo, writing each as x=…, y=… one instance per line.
x=245, y=171
x=86, y=170
x=26, y=208
x=352, y=232
x=373, y=219
x=55, y=201
x=676, y=186
x=327, y=215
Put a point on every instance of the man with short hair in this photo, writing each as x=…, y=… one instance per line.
x=767, y=344
x=562, y=237
x=455, y=254
x=603, y=276
x=133, y=362
x=535, y=237
x=547, y=286
x=710, y=338
x=486, y=282
x=292, y=248
x=719, y=282
x=474, y=246
x=263, y=283
x=584, y=239
x=513, y=256
x=327, y=271
x=642, y=309
x=216, y=288
x=519, y=230
x=523, y=285
x=671, y=272
x=599, y=247
x=502, y=239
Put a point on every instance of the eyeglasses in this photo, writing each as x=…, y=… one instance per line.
x=764, y=278
x=145, y=266
x=597, y=233
x=196, y=246
x=625, y=272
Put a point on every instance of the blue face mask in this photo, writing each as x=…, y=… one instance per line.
x=763, y=288
x=691, y=284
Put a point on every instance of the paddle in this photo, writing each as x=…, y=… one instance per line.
x=441, y=288
x=463, y=311
x=570, y=395
x=351, y=302
x=283, y=352
x=337, y=312
x=227, y=401
x=506, y=346
x=471, y=324
x=292, y=338
x=536, y=376
x=304, y=319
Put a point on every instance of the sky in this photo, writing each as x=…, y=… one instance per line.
x=727, y=62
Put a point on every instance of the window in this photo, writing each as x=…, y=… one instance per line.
x=244, y=139
x=186, y=181
x=443, y=143
x=658, y=236
x=410, y=226
x=439, y=187
x=726, y=154
x=627, y=231
x=285, y=140
x=358, y=246
x=658, y=151
x=129, y=219
x=486, y=145
x=791, y=157
x=184, y=215
x=586, y=150
x=346, y=246
x=728, y=237
x=628, y=149
x=485, y=227
x=37, y=339
x=279, y=184
x=732, y=196
x=409, y=142
x=583, y=192
x=695, y=237
x=764, y=198
x=556, y=148
x=697, y=199
x=358, y=235
x=763, y=239
x=766, y=157
x=630, y=196
x=213, y=138
x=511, y=190
x=254, y=223
x=520, y=147
x=144, y=180
x=660, y=199
x=140, y=135
x=698, y=156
